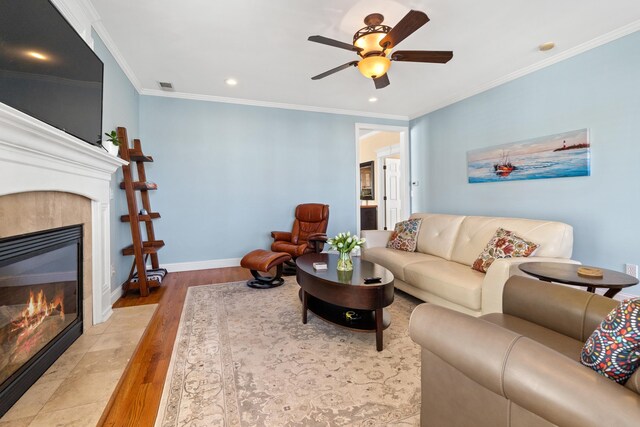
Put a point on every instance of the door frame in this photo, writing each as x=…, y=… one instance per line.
x=381, y=155
x=405, y=168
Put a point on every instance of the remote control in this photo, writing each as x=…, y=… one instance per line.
x=372, y=280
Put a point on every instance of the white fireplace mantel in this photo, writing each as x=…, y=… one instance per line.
x=37, y=157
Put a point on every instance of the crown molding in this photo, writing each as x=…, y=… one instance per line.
x=100, y=29
x=598, y=41
x=268, y=104
x=89, y=11
x=78, y=16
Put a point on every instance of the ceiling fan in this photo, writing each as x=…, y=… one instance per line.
x=374, y=42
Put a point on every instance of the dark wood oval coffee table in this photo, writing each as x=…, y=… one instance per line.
x=559, y=272
x=342, y=297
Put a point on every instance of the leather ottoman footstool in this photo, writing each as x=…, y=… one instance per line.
x=262, y=260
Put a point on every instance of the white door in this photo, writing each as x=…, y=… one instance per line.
x=393, y=204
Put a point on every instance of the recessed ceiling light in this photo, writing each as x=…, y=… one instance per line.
x=546, y=46
x=373, y=99
x=37, y=55
x=231, y=82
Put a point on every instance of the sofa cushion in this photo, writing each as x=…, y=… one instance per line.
x=395, y=260
x=405, y=235
x=633, y=383
x=561, y=343
x=447, y=279
x=564, y=309
x=555, y=238
x=613, y=349
x=503, y=244
x=438, y=233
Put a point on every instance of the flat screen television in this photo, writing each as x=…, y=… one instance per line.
x=48, y=71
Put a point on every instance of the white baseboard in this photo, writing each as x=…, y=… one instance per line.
x=116, y=294
x=202, y=265
x=185, y=266
x=106, y=313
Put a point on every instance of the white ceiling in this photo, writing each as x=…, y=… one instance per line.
x=197, y=44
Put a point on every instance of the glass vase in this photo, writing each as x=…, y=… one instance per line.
x=344, y=261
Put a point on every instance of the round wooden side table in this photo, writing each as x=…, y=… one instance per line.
x=613, y=281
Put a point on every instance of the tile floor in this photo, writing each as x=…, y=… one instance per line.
x=77, y=387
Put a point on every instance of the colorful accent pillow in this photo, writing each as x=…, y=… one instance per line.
x=405, y=235
x=613, y=349
x=504, y=244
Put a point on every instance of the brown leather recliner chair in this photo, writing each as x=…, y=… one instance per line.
x=308, y=234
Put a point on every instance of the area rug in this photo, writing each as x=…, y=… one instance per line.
x=242, y=357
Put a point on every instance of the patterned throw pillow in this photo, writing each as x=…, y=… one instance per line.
x=613, y=349
x=405, y=236
x=504, y=244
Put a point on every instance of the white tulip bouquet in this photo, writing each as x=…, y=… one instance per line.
x=344, y=243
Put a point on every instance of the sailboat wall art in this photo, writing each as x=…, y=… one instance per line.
x=562, y=155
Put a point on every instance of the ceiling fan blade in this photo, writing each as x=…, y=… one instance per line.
x=403, y=29
x=334, y=43
x=437, y=56
x=335, y=70
x=382, y=81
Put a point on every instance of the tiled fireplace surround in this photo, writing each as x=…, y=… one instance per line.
x=50, y=179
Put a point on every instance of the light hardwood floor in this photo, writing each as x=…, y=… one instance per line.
x=136, y=399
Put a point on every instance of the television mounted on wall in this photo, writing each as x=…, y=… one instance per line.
x=48, y=71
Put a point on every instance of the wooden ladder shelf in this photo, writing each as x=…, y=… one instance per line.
x=139, y=277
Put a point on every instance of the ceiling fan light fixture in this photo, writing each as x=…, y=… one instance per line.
x=369, y=42
x=374, y=43
x=374, y=66
x=368, y=38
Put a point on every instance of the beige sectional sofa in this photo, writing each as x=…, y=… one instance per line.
x=439, y=271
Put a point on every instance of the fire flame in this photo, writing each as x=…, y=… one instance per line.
x=37, y=310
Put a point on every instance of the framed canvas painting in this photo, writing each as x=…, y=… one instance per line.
x=366, y=181
x=561, y=155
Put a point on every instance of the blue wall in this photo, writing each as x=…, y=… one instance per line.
x=120, y=108
x=598, y=90
x=230, y=174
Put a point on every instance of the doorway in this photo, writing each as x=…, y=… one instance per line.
x=382, y=176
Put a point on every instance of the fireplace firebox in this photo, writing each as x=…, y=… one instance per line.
x=40, y=305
